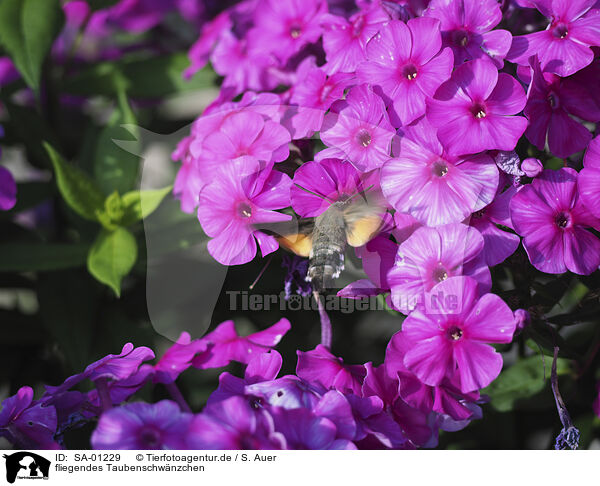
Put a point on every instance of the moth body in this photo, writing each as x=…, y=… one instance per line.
x=326, y=258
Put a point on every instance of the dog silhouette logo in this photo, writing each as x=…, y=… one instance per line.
x=26, y=465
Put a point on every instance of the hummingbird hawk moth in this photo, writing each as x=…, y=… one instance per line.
x=354, y=220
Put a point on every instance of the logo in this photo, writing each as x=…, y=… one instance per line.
x=26, y=465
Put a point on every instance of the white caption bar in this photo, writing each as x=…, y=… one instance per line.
x=307, y=468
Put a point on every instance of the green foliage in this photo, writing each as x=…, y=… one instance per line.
x=139, y=205
x=78, y=190
x=153, y=77
x=41, y=257
x=526, y=378
x=115, y=168
x=27, y=29
x=112, y=257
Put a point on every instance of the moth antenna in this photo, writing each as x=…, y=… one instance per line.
x=326, y=331
x=261, y=273
x=314, y=193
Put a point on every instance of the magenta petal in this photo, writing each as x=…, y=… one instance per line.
x=582, y=251
x=490, y=321
x=592, y=156
x=508, y=96
x=589, y=189
x=426, y=38
x=429, y=359
x=566, y=136
x=477, y=365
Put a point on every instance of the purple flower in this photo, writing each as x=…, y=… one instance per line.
x=27, y=424
x=430, y=256
x=588, y=180
x=532, y=167
x=345, y=41
x=304, y=429
x=415, y=424
x=201, y=49
x=564, y=47
x=244, y=134
x=314, y=93
x=330, y=180
x=406, y=65
x=114, y=367
x=142, y=426
x=321, y=367
x=433, y=186
x=498, y=244
x=224, y=344
x=467, y=29
x=8, y=190
x=234, y=424
x=289, y=391
x=473, y=110
x=445, y=399
x=358, y=130
x=283, y=27
x=230, y=207
x=550, y=104
x=523, y=319
x=243, y=68
x=263, y=367
x=178, y=358
x=551, y=217
x=452, y=341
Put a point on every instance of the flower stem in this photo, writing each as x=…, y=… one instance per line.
x=326, y=331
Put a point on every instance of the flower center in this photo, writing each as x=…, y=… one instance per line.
x=454, y=333
x=460, y=38
x=150, y=437
x=440, y=274
x=244, y=210
x=478, y=110
x=295, y=31
x=363, y=137
x=560, y=31
x=440, y=169
x=563, y=220
x=552, y=99
x=409, y=72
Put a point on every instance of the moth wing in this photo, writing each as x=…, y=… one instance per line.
x=363, y=221
x=300, y=244
x=294, y=235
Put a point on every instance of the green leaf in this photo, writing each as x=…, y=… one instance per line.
x=27, y=30
x=116, y=169
x=78, y=190
x=522, y=380
x=154, y=77
x=140, y=204
x=112, y=256
x=41, y=257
